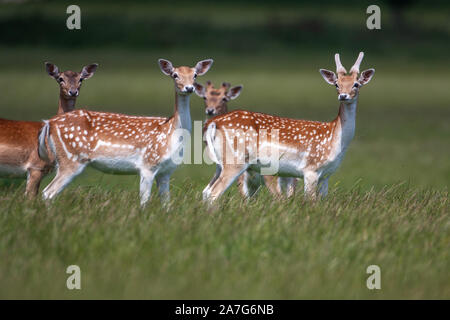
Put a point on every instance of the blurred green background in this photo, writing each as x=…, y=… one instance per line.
x=275, y=49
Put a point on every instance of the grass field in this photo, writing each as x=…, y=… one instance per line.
x=388, y=203
x=262, y=249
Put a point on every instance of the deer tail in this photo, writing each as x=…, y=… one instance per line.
x=210, y=136
x=43, y=149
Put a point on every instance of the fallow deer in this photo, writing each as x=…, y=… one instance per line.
x=309, y=149
x=19, y=139
x=216, y=103
x=119, y=143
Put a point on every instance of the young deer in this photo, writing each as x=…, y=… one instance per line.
x=250, y=181
x=309, y=149
x=118, y=143
x=19, y=139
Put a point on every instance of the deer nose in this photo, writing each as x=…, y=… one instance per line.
x=189, y=89
x=73, y=93
x=343, y=96
x=209, y=112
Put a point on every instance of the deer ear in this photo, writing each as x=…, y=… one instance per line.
x=234, y=92
x=203, y=66
x=329, y=76
x=52, y=70
x=366, y=76
x=199, y=89
x=166, y=66
x=88, y=71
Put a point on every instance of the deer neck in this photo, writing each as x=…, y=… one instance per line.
x=66, y=105
x=347, y=120
x=225, y=108
x=182, y=117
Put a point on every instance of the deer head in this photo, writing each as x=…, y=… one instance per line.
x=70, y=81
x=347, y=85
x=216, y=99
x=184, y=77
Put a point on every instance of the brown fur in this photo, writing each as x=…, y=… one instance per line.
x=105, y=139
x=18, y=148
x=19, y=139
x=345, y=84
x=216, y=99
x=312, y=132
x=321, y=144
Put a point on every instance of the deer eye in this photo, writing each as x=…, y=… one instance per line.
x=195, y=76
x=175, y=76
x=356, y=85
x=60, y=79
x=81, y=80
x=336, y=85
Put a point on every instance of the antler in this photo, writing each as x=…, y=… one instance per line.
x=355, y=68
x=339, y=67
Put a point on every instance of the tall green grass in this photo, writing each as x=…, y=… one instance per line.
x=262, y=249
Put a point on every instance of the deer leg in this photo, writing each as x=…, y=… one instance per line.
x=243, y=184
x=145, y=186
x=249, y=184
x=289, y=185
x=208, y=187
x=64, y=175
x=163, y=183
x=273, y=184
x=228, y=175
x=33, y=182
x=323, y=187
x=311, y=179
x=281, y=186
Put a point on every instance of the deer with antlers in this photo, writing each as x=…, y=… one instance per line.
x=309, y=149
x=118, y=143
x=19, y=139
x=216, y=103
